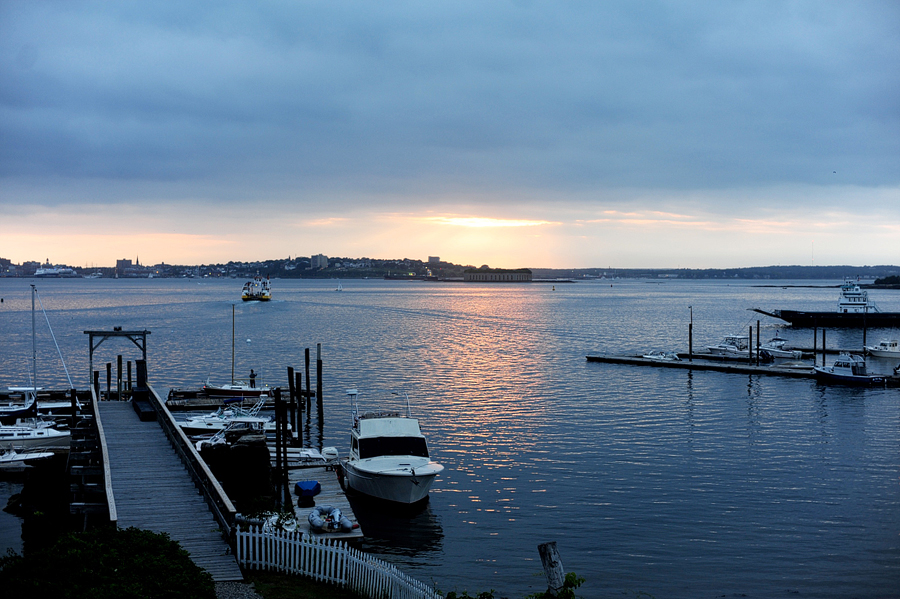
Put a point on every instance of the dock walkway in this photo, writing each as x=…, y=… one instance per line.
x=154, y=491
x=700, y=364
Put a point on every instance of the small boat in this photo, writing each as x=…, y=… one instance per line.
x=29, y=433
x=13, y=461
x=775, y=347
x=848, y=369
x=339, y=287
x=661, y=356
x=240, y=430
x=221, y=418
x=884, y=349
x=236, y=389
x=732, y=345
x=325, y=518
x=257, y=289
x=388, y=456
x=12, y=410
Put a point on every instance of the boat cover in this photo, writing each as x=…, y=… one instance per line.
x=307, y=488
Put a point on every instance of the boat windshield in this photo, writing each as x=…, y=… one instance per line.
x=379, y=446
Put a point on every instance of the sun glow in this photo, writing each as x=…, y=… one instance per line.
x=483, y=222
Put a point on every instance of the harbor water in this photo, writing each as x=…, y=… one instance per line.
x=659, y=482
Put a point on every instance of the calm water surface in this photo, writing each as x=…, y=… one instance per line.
x=667, y=482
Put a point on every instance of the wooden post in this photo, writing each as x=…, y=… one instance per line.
x=297, y=420
x=97, y=384
x=278, y=476
x=128, y=387
x=74, y=420
x=691, y=336
x=823, y=348
x=319, y=376
x=815, y=344
x=750, y=346
x=757, y=343
x=292, y=392
x=108, y=379
x=307, y=379
x=552, y=567
x=119, y=377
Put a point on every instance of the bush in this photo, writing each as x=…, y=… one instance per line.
x=106, y=564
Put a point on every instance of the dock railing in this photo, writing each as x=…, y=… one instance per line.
x=218, y=501
x=104, y=452
x=325, y=560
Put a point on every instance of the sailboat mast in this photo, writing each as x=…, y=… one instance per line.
x=33, y=344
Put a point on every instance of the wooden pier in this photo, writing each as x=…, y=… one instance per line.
x=154, y=491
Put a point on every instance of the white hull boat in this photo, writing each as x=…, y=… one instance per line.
x=885, y=349
x=776, y=348
x=30, y=434
x=388, y=456
x=13, y=461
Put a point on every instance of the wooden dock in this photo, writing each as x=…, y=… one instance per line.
x=154, y=491
x=332, y=494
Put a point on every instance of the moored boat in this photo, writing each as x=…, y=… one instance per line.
x=388, y=456
x=29, y=433
x=662, y=356
x=884, y=349
x=776, y=348
x=854, y=309
x=14, y=461
x=848, y=369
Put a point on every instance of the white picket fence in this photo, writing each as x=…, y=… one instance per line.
x=326, y=560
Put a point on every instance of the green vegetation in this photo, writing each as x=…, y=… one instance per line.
x=892, y=280
x=106, y=563
x=572, y=582
x=284, y=586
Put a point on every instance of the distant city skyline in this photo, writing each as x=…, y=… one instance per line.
x=527, y=133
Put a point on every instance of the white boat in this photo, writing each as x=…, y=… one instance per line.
x=241, y=429
x=732, y=345
x=31, y=433
x=257, y=289
x=775, y=347
x=661, y=356
x=848, y=369
x=14, y=461
x=221, y=418
x=388, y=456
x=854, y=300
x=884, y=349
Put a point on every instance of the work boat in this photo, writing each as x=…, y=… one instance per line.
x=732, y=345
x=884, y=349
x=775, y=347
x=848, y=369
x=388, y=456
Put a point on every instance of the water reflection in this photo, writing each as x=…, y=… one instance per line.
x=393, y=529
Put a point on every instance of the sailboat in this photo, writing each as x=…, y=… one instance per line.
x=238, y=387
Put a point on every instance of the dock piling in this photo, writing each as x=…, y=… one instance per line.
x=553, y=568
x=823, y=349
x=108, y=379
x=307, y=380
x=319, y=378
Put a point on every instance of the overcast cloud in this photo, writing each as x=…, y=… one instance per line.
x=515, y=109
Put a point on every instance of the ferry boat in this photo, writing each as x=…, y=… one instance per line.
x=388, y=456
x=848, y=369
x=258, y=289
x=854, y=309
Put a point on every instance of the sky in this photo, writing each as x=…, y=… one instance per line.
x=509, y=133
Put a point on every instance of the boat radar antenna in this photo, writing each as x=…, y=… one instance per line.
x=353, y=394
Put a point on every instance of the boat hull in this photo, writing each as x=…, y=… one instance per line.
x=824, y=376
x=48, y=438
x=836, y=319
x=404, y=488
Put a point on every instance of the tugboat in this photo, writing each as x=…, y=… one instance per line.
x=848, y=369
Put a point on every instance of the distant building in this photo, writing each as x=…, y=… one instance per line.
x=497, y=275
x=318, y=261
x=434, y=259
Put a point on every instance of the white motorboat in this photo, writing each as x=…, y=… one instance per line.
x=29, y=433
x=14, y=461
x=732, y=345
x=388, y=456
x=662, y=356
x=848, y=369
x=884, y=349
x=214, y=422
x=775, y=347
x=241, y=429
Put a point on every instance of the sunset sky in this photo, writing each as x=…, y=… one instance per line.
x=509, y=133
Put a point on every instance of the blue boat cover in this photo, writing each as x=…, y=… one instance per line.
x=307, y=488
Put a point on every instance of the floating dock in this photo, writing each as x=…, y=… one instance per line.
x=332, y=494
x=716, y=363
